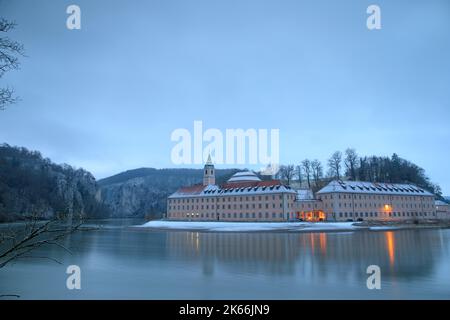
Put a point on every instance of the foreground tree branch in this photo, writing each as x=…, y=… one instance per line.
x=19, y=242
x=10, y=51
x=16, y=244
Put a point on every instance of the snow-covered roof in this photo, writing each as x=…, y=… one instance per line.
x=304, y=194
x=244, y=176
x=233, y=189
x=373, y=188
x=440, y=203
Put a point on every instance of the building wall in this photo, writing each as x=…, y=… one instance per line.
x=309, y=210
x=341, y=206
x=284, y=207
x=250, y=207
x=443, y=212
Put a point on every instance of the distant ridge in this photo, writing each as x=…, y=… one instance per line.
x=144, y=191
x=145, y=172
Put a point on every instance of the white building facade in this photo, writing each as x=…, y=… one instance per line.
x=442, y=210
x=244, y=197
x=355, y=200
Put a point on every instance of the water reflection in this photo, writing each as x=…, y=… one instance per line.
x=403, y=254
x=390, y=243
x=138, y=263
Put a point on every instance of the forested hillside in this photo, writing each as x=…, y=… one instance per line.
x=31, y=185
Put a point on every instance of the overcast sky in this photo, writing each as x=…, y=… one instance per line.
x=107, y=97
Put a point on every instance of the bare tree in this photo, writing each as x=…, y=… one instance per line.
x=299, y=174
x=10, y=51
x=18, y=243
x=287, y=173
x=351, y=161
x=334, y=164
x=317, y=171
x=306, y=165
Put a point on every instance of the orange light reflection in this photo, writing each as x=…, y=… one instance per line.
x=390, y=243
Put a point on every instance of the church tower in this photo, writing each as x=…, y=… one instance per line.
x=209, y=176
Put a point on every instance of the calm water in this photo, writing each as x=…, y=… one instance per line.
x=120, y=263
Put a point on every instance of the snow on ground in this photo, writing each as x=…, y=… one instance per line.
x=251, y=226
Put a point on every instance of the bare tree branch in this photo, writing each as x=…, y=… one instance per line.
x=42, y=257
x=9, y=295
x=10, y=51
x=7, y=97
x=6, y=25
x=34, y=236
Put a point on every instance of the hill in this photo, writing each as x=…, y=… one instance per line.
x=31, y=185
x=144, y=191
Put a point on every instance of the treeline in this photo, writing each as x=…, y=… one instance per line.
x=31, y=185
x=350, y=166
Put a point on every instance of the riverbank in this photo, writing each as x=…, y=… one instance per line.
x=386, y=225
x=211, y=226
x=249, y=226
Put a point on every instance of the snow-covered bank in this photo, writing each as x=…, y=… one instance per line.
x=251, y=226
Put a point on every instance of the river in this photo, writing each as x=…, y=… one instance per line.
x=118, y=262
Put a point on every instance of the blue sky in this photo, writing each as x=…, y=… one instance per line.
x=108, y=96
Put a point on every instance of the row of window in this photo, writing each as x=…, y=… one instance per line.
x=375, y=197
x=234, y=215
x=374, y=205
x=391, y=214
x=229, y=206
x=230, y=199
x=309, y=206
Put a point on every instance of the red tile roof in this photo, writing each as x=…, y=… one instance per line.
x=195, y=189
x=198, y=188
